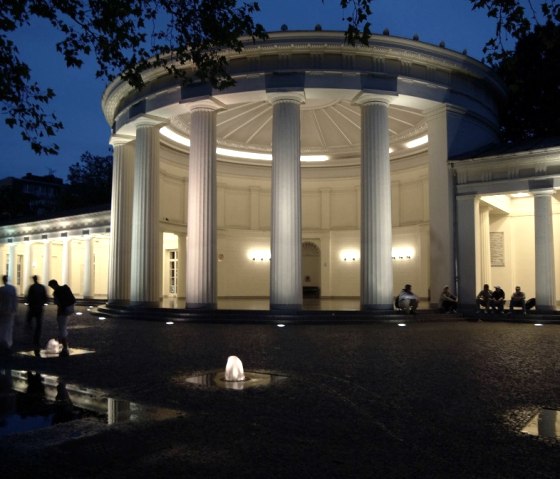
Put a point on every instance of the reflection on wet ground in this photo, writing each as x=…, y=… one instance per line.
x=45, y=353
x=546, y=423
x=30, y=400
x=218, y=379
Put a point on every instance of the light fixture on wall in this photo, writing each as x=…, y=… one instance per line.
x=403, y=253
x=350, y=255
x=259, y=255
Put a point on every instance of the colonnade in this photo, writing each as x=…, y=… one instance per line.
x=135, y=259
x=472, y=252
x=20, y=270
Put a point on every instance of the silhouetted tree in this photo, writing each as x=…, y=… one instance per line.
x=525, y=52
x=128, y=37
x=531, y=74
x=89, y=182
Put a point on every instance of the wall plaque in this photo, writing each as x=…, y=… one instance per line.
x=497, y=248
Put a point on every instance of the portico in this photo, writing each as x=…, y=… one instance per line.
x=298, y=95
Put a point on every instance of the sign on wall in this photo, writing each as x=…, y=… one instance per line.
x=497, y=257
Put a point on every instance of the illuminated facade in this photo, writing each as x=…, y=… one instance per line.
x=326, y=167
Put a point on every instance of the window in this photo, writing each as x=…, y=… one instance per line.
x=173, y=271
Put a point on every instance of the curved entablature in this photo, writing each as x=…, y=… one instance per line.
x=414, y=76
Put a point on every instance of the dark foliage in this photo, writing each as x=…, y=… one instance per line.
x=531, y=74
x=127, y=38
x=525, y=51
x=89, y=182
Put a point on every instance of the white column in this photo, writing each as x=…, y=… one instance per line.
x=12, y=265
x=181, y=264
x=65, y=269
x=544, y=252
x=201, y=260
x=46, y=262
x=87, y=286
x=485, y=260
x=376, y=232
x=285, y=269
x=145, y=284
x=468, y=254
x=444, y=127
x=121, y=221
x=27, y=262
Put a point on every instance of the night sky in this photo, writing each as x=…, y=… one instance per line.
x=78, y=100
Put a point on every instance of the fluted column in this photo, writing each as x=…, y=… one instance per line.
x=485, y=259
x=46, y=262
x=376, y=232
x=27, y=265
x=146, y=245
x=468, y=250
x=12, y=264
x=65, y=269
x=87, y=285
x=121, y=221
x=201, y=266
x=285, y=269
x=181, y=264
x=544, y=251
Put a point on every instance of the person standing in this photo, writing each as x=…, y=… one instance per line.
x=64, y=300
x=36, y=299
x=8, y=309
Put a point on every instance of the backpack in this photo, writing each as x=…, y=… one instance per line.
x=65, y=297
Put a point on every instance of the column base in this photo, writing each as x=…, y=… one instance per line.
x=286, y=307
x=201, y=306
x=377, y=307
x=143, y=304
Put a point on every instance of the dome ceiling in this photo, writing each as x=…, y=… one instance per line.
x=331, y=128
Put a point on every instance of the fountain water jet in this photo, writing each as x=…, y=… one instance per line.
x=234, y=369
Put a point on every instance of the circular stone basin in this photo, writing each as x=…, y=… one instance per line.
x=218, y=379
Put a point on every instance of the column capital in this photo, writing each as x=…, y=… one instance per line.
x=117, y=140
x=364, y=98
x=549, y=192
x=208, y=103
x=285, y=96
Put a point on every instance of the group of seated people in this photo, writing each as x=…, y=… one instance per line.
x=494, y=301
x=489, y=301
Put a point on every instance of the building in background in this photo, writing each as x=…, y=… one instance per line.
x=29, y=197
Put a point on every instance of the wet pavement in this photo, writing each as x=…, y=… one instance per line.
x=439, y=398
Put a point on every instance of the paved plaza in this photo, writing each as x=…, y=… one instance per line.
x=440, y=397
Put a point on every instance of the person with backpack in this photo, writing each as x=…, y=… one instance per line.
x=65, y=300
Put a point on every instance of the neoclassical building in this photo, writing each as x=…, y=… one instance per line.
x=345, y=171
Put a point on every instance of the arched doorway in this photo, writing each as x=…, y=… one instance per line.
x=311, y=269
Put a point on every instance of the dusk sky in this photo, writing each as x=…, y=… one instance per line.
x=78, y=100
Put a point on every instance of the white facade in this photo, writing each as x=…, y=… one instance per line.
x=189, y=220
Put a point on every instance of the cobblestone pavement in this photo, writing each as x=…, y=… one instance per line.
x=439, y=399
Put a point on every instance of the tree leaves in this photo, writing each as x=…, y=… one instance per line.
x=128, y=38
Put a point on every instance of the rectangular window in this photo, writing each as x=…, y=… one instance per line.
x=173, y=271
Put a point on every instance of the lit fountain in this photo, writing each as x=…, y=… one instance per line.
x=234, y=377
x=234, y=369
